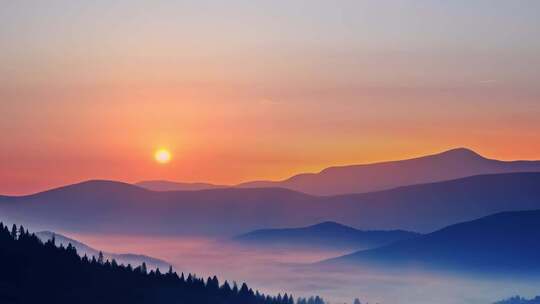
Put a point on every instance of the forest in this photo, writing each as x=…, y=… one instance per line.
x=37, y=272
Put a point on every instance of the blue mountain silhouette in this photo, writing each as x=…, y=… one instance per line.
x=330, y=235
x=507, y=242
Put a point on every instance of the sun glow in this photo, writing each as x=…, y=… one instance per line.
x=162, y=156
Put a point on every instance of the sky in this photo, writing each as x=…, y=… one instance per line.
x=244, y=90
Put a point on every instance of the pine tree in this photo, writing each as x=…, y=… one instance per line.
x=291, y=300
x=100, y=259
x=226, y=288
x=14, y=231
x=21, y=231
x=143, y=268
x=244, y=291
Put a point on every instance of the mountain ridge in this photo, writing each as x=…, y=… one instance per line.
x=363, y=178
x=328, y=235
x=231, y=211
x=504, y=241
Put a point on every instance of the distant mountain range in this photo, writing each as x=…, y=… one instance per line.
x=123, y=258
x=452, y=164
x=507, y=242
x=106, y=206
x=328, y=235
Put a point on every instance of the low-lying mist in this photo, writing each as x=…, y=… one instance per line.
x=278, y=271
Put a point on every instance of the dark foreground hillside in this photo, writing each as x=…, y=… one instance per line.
x=36, y=272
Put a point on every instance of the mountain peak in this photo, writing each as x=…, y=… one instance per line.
x=328, y=224
x=331, y=226
x=461, y=152
x=91, y=186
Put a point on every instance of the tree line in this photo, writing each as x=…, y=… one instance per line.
x=32, y=271
x=520, y=300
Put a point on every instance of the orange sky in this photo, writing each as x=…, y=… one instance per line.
x=225, y=137
x=90, y=90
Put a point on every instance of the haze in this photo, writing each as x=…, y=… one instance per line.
x=276, y=271
x=244, y=90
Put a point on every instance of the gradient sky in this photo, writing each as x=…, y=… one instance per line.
x=242, y=90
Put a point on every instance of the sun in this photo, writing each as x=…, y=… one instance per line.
x=162, y=156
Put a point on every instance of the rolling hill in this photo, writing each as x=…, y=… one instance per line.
x=448, y=165
x=113, y=207
x=507, y=242
x=328, y=235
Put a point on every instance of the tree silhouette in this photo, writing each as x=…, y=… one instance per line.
x=520, y=300
x=37, y=272
x=100, y=259
x=14, y=231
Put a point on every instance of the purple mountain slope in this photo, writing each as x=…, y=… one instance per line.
x=106, y=206
x=452, y=164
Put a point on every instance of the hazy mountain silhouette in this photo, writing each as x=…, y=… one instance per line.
x=505, y=242
x=330, y=235
x=105, y=206
x=163, y=185
x=83, y=249
x=448, y=165
x=452, y=164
